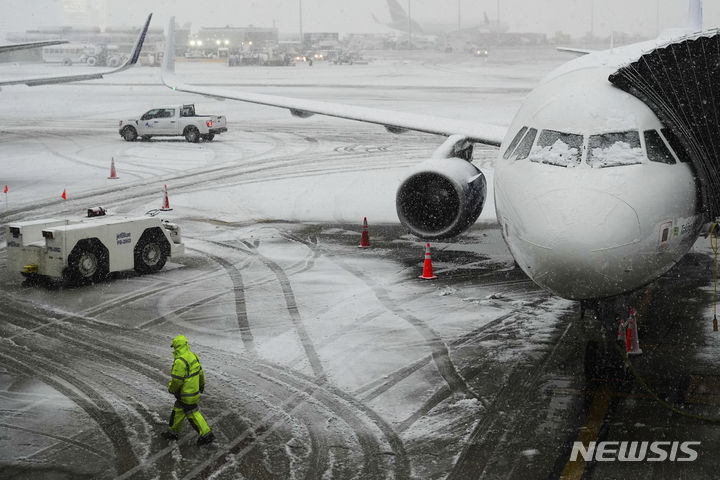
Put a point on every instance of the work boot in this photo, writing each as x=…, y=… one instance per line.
x=206, y=439
x=170, y=435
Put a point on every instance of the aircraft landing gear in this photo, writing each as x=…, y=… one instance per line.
x=604, y=361
x=586, y=305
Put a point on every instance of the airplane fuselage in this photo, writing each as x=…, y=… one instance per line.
x=593, y=195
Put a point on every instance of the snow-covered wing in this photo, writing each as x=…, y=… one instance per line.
x=395, y=122
x=132, y=60
x=577, y=51
x=27, y=45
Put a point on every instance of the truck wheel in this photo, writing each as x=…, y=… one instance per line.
x=88, y=262
x=192, y=135
x=91, y=61
x=67, y=62
x=113, y=61
x=129, y=134
x=151, y=252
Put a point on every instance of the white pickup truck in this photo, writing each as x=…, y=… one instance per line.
x=87, y=249
x=173, y=121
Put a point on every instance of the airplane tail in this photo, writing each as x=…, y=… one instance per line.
x=397, y=13
x=138, y=44
x=695, y=15
x=168, y=64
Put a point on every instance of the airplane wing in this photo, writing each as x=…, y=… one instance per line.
x=394, y=122
x=31, y=82
x=578, y=51
x=27, y=45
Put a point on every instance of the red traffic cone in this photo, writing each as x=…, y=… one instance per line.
x=632, y=343
x=365, y=239
x=427, y=269
x=621, y=330
x=166, y=202
x=113, y=173
x=63, y=196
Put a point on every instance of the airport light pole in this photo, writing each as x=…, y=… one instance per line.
x=409, y=26
x=459, y=21
x=301, y=30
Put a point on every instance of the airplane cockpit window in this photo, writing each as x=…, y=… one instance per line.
x=514, y=143
x=558, y=148
x=675, y=144
x=523, y=150
x=615, y=149
x=657, y=151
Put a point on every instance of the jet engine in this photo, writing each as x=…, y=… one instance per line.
x=441, y=197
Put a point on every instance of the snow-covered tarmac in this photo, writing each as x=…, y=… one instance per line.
x=322, y=360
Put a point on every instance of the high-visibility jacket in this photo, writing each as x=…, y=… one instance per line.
x=187, y=376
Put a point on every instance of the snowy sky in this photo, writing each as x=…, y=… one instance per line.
x=548, y=16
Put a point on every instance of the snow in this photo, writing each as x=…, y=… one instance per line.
x=238, y=198
x=559, y=153
x=619, y=153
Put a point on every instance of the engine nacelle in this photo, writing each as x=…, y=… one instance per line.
x=441, y=198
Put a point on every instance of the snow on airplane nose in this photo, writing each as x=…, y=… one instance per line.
x=576, y=243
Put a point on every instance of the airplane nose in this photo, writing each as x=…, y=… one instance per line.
x=570, y=241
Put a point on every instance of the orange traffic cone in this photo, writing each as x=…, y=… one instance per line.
x=63, y=196
x=166, y=202
x=427, y=269
x=365, y=239
x=632, y=343
x=113, y=173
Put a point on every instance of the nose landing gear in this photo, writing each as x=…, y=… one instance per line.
x=612, y=330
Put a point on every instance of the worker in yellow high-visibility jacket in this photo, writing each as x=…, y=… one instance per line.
x=187, y=383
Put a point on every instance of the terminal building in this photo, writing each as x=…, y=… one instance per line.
x=222, y=40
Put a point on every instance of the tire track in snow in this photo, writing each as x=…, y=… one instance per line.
x=148, y=187
x=440, y=353
x=60, y=438
x=240, y=307
x=374, y=389
x=290, y=303
x=488, y=433
x=105, y=350
x=90, y=401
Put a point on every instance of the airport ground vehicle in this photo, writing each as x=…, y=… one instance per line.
x=87, y=249
x=174, y=120
x=89, y=54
